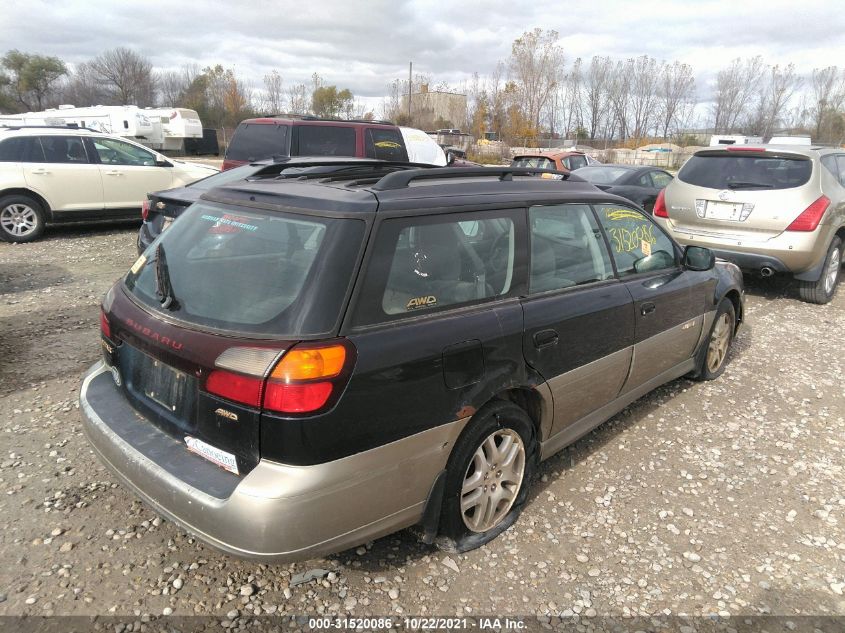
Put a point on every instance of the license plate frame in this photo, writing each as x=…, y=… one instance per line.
x=729, y=211
x=163, y=384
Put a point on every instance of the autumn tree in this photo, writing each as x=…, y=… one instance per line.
x=330, y=103
x=675, y=96
x=734, y=93
x=827, y=91
x=535, y=67
x=274, y=96
x=126, y=76
x=299, y=101
x=30, y=78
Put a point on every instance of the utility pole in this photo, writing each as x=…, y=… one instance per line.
x=410, y=88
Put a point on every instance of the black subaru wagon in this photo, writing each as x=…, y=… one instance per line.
x=299, y=365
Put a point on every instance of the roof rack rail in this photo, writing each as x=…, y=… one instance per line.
x=66, y=126
x=402, y=179
x=377, y=121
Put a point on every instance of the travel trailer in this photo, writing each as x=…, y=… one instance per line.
x=177, y=124
x=733, y=139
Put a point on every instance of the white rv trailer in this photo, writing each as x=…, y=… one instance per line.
x=733, y=139
x=177, y=124
x=129, y=121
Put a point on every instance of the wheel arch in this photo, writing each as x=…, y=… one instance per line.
x=23, y=191
x=736, y=300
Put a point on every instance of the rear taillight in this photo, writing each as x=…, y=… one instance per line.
x=811, y=216
x=302, y=381
x=105, y=328
x=734, y=148
x=145, y=210
x=660, y=205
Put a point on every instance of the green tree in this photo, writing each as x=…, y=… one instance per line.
x=330, y=103
x=31, y=77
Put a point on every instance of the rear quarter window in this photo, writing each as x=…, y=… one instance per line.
x=751, y=171
x=254, y=141
x=386, y=145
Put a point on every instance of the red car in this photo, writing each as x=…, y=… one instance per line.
x=553, y=159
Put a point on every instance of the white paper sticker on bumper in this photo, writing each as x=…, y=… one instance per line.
x=223, y=459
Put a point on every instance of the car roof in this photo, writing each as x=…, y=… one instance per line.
x=548, y=154
x=812, y=151
x=427, y=190
x=49, y=130
x=316, y=121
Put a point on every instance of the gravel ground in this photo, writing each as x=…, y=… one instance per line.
x=717, y=498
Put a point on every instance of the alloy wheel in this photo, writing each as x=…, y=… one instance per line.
x=832, y=272
x=18, y=219
x=493, y=479
x=718, y=348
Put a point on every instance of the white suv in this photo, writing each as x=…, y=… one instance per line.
x=62, y=174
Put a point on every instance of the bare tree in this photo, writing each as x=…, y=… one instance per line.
x=828, y=94
x=596, y=88
x=536, y=67
x=573, y=115
x=619, y=97
x=83, y=88
x=675, y=96
x=274, y=96
x=777, y=89
x=172, y=86
x=127, y=76
x=734, y=94
x=299, y=99
x=644, y=81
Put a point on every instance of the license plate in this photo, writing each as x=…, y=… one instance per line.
x=163, y=384
x=225, y=460
x=723, y=211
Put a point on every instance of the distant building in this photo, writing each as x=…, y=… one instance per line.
x=436, y=109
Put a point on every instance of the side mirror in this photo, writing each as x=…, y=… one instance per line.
x=160, y=162
x=699, y=258
x=450, y=158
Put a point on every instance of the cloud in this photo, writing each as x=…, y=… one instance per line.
x=364, y=45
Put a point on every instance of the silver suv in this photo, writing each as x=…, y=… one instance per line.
x=767, y=208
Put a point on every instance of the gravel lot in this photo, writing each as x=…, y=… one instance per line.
x=715, y=498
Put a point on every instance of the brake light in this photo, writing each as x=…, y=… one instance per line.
x=302, y=381
x=734, y=148
x=145, y=210
x=237, y=387
x=811, y=216
x=105, y=328
x=660, y=205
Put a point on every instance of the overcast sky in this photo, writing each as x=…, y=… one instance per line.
x=364, y=45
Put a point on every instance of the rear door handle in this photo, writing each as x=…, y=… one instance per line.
x=647, y=308
x=114, y=172
x=39, y=172
x=544, y=338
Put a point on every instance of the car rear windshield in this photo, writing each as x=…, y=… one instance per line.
x=248, y=271
x=254, y=141
x=748, y=171
x=602, y=175
x=225, y=177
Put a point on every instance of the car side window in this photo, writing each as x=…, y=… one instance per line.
x=576, y=162
x=326, y=140
x=567, y=248
x=385, y=145
x=11, y=150
x=840, y=163
x=425, y=263
x=114, y=152
x=661, y=179
x=62, y=149
x=636, y=242
x=645, y=180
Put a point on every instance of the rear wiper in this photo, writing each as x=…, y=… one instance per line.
x=164, y=289
x=740, y=184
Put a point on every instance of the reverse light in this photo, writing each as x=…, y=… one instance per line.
x=660, y=205
x=811, y=216
x=145, y=210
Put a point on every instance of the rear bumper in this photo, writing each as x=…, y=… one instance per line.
x=796, y=252
x=276, y=513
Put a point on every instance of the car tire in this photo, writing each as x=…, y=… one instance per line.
x=484, y=496
x=713, y=355
x=822, y=290
x=21, y=218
